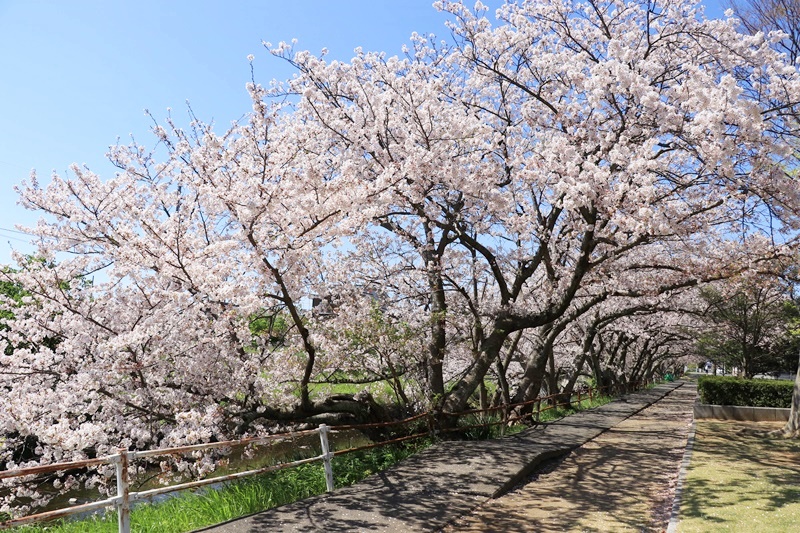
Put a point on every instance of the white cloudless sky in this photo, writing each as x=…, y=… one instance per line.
x=76, y=75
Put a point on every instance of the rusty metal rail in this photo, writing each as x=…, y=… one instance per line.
x=124, y=498
x=121, y=460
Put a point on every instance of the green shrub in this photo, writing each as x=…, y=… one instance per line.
x=749, y=392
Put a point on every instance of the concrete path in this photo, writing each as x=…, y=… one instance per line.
x=444, y=482
x=623, y=480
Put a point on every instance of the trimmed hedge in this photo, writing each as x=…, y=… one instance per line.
x=717, y=390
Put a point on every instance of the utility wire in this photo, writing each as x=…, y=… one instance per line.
x=5, y=231
x=13, y=238
x=14, y=231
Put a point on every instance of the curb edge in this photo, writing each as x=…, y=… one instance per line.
x=674, y=518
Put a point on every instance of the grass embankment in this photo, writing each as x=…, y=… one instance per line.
x=493, y=429
x=193, y=510
x=740, y=479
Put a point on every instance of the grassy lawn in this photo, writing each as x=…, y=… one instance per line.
x=741, y=480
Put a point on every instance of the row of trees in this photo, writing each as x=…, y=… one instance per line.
x=749, y=329
x=505, y=212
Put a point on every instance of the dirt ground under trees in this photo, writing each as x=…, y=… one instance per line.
x=623, y=480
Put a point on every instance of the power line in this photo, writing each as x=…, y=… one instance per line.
x=4, y=234
x=13, y=238
x=15, y=231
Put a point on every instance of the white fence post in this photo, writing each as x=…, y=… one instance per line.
x=123, y=504
x=326, y=456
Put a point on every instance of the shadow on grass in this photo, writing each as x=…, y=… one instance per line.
x=737, y=466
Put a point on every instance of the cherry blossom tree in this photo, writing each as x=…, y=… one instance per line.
x=764, y=16
x=585, y=131
x=768, y=15
x=607, y=140
x=458, y=209
x=194, y=331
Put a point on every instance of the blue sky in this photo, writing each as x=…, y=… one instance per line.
x=76, y=75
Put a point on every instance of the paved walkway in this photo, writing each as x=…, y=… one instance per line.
x=623, y=480
x=449, y=481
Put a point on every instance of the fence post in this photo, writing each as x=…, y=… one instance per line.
x=431, y=425
x=123, y=503
x=326, y=456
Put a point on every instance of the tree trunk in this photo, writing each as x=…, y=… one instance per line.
x=502, y=367
x=552, y=379
x=573, y=379
x=483, y=395
x=531, y=384
x=438, y=337
x=490, y=350
x=792, y=427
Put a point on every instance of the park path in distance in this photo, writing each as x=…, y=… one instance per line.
x=622, y=480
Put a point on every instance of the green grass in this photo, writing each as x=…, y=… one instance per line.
x=380, y=390
x=560, y=412
x=494, y=430
x=740, y=479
